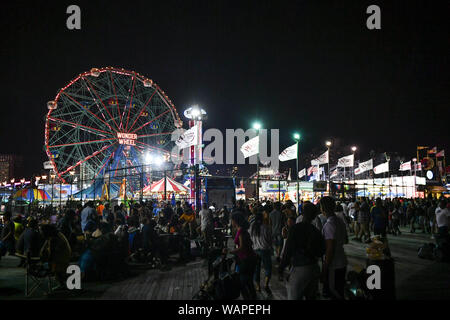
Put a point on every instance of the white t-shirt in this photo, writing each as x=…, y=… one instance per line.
x=351, y=209
x=205, y=219
x=442, y=217
x=345, y=208
x=334, y=229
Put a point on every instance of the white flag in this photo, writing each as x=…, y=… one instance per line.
x=334, y=173
x=312, y=170
x=251, y=147
x=289, y=176
x=188, y=138
x=302, y=173
x=346, y=161
x=322, y=159
x=405, y=166
x=384, y=167
x=364, y=166
x=288, y=153
x=48, y=165
x=419, y=166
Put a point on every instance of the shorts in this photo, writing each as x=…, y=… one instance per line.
x=277, y=240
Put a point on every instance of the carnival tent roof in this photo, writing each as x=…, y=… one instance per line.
x=96, y=189
x=30, y=194
x=172, y=186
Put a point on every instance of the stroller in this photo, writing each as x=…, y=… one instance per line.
x=222, y=283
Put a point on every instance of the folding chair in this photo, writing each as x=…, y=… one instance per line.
x=36, y=275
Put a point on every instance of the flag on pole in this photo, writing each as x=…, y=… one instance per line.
x=346, y=161
x=364, y=166
x=440, y=153
x=418, y=166
x=188, y=138
x=384, y=167
x=312, y=169
x=302, y=173
x=405, y=166
x=434, y=150
x=322, y=159
x=334, y=173
x=251, y=147
x=289, y=153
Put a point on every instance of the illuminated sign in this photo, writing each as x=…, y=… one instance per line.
x=127, y=138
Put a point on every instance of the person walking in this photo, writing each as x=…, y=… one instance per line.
x=206, y=224
x=245, y=256
x=335, y=260
x=277, y=221
x=304, y=246
x=261, y=237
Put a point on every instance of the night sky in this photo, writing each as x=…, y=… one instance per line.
x=310, y=66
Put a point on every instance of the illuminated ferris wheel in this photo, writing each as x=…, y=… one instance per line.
x=105, y=119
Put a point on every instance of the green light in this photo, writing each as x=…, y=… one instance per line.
x=256, y=125
x=296, y=136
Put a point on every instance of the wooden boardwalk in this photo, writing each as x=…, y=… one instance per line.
x=415, y=278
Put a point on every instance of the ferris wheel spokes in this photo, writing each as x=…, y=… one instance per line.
x=95, y=92
x=142, y=110
x=107, y=124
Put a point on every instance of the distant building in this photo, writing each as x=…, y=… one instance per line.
x=11, y=166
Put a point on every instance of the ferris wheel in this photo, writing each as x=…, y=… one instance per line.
x=106, y=119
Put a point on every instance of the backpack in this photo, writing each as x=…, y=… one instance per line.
x=426, y=251
x=315, y=246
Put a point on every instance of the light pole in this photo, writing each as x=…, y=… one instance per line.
x=52, y=176
x=196, y=115
x=354, y=148
x=72, y=172
x=297, y=140
x=328, y=144
x=257, y=127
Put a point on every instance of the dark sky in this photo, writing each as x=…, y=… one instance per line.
x=311, y=66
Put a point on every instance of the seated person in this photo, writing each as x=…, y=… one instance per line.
x=152, y=243
x=30, y=241
x=56, y=251
x=188, y=223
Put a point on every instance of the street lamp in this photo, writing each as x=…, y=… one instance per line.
x=53, y=181
x=328, y=144
x=354, y=148
x=72, y=172
x=196, y=116
x=257, y=127
x=296, y=137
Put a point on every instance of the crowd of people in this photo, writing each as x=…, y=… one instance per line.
x=308, y=239
x=306, y=236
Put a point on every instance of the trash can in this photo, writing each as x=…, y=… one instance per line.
x=387, y=290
